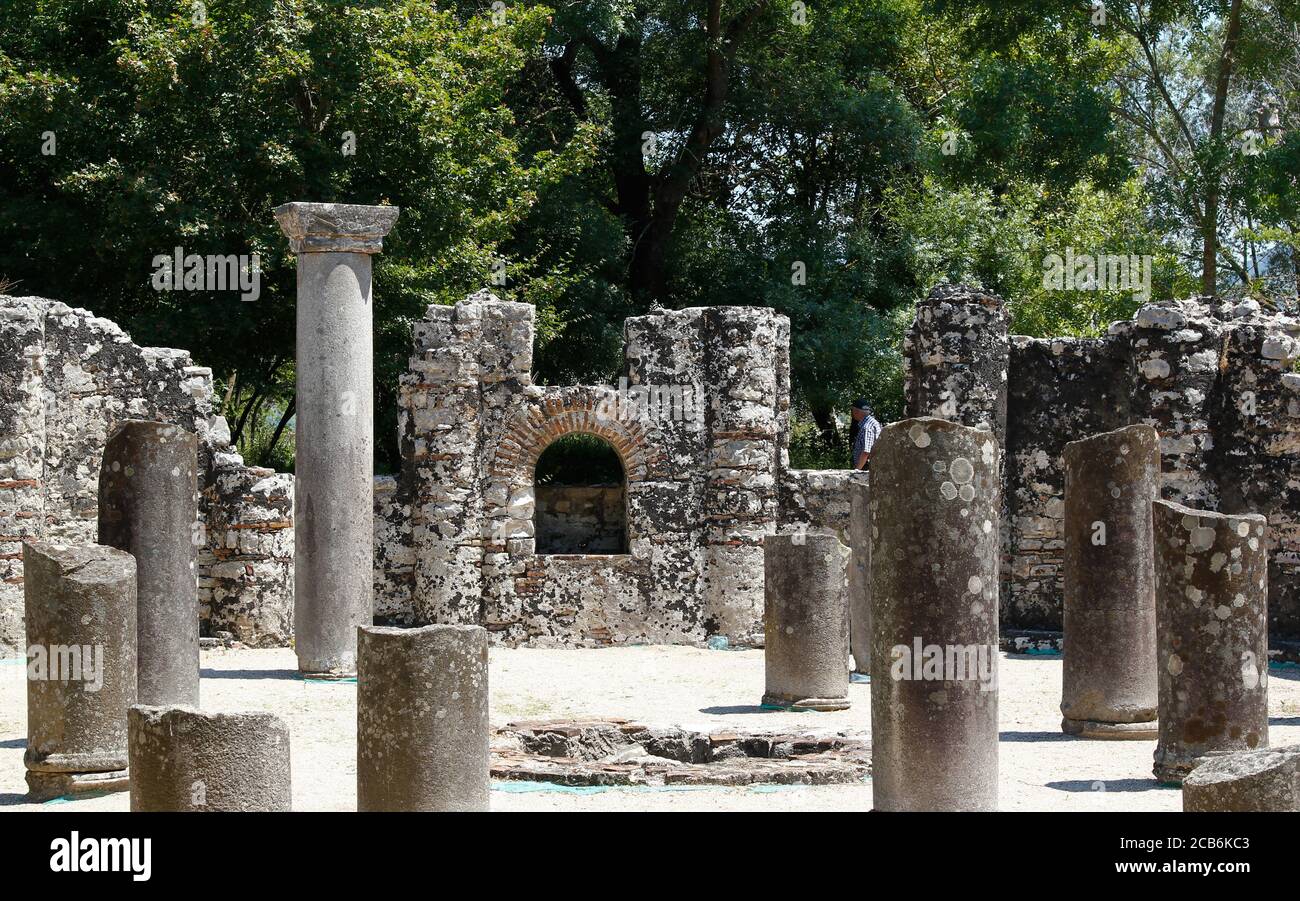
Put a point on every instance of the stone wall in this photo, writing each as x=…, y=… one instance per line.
x=700, y=420
x=581, y=519
x=1216, y=381
x=700, y=423
x=66, y=378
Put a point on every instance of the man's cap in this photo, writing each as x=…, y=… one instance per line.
x=862, y=404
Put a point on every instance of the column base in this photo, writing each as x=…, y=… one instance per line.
x=1171, y=774
x=1096, y=729
x=796, y=703
x=45, y=786
x=328, y=676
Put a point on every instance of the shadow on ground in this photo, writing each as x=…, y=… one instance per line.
x=1109, y=785
x=738, y=708
x=1036, y=736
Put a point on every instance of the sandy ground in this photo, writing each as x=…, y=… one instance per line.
x=1040, y=769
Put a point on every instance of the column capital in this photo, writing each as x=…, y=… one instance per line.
x=335, y=227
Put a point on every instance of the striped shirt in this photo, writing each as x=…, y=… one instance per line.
x=868, y=432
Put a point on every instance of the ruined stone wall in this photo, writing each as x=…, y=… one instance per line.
x=66, y=378
x=700, y=423
x=587, y=519
x=1215, y=381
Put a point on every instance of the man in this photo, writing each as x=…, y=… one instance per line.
x=867, y=430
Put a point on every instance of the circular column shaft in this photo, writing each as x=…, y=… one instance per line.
x=334, y=431
x=806, y=622
x=934, y=617
x=81, y=633
x=184, y=759
x=422, y=718
x=1265, y=781
x=148, y=506
x=1108, y=681
x=860, y=572
x=1211, y=633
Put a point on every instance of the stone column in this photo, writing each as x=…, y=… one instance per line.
x=1265, y=781
x=1211, y=634
x=860, y=572
x=148, y=506
x=81, y=667
x=1108, y=683
x=934, y=617
x=422, y=718
x=806, y=622
x=334, y=432
x=184, y=759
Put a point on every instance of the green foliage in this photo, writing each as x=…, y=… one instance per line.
x=173, y=131
x=579, y=459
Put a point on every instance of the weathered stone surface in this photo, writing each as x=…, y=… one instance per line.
x=1212, y=379
x=67, y=378
x=699, y=421
x=422, y=718
x=934, y=614
x=1211, y=622
x=148, y=507
x=81, y=672
x=622, y=752
x=1108, y=682
x=1263, y=781
x=184, y=759
x=335, y=227
x=334, y=433
x=860, y=574
x=806, y=619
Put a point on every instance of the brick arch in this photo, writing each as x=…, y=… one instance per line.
x=532, y=429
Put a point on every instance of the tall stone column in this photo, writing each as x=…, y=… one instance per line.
x=1108, y=684
x=1211, y=634
x=934, y=617
x=422, y=718
x=148, y=506
x=184, y=759
x=860, y=572
x=806, y=622
x=334, y=431
x=80, y=667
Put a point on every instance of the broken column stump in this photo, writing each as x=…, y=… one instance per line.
x=184, y=759
x=1108, y=681
x=1264, y=781
x=80, y=667
x=934, y=617
x=1211, y=631
x=860, y=572
x=806, y=622
x=148, y=506
x=422, y=718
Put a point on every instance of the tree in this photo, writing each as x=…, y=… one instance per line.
x=183, y=124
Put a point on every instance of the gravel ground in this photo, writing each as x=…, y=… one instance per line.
x=1041, y=769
